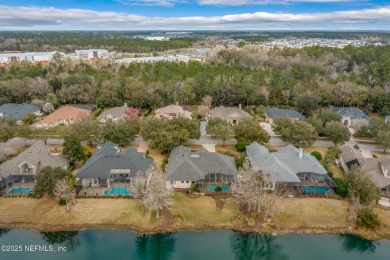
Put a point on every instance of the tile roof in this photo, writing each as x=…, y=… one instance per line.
x=372, y=167
x=108, y=157
x=225, y=112
x=65, y=113
x=38, y=155
x=353, y=112
x=275, y=112
x=18, y=110
x=192, y=166
x=284, y=165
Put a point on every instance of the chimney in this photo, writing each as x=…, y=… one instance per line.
x=124, y=104
x=177, y=103
x=300, y=153
x=240, y=106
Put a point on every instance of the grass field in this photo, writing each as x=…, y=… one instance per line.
x=228, y=149
x=296, y=213
x=202, y=211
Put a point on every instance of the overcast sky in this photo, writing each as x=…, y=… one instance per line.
x=194, y=15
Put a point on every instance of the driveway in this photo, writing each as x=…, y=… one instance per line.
x=203, y=125
x=267, y=127
x=209, y=147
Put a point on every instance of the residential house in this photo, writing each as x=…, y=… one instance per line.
x=273, y=113
x=350, y=156
x=232, y=115
x=18, y=111
x=114, y=114
x=289, y=165
x=378, y=170
x=351, y=115
x=22, y=169
x=109, y=166
x=186, y=167
x=172, y=111
x=65, y=115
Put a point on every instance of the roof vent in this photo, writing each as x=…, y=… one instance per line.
x=194, y=155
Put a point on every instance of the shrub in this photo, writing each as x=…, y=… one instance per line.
x=239, y=162
x=98, y=112
x=317, y=155
x=194, y=188
x=61, y=201
x=240, y=146
x=342, y=188
x=356, y=146
x=330, y=174
x=218, y=189
x=368, y=219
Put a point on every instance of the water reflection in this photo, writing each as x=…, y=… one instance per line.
x=69, y=239
x=256, y=246
x=157, y=246
x=353, y=243
x=3, y=231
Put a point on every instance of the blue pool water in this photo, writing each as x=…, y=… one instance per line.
x=20, y=190
x=117, y=190
x=316, y=190
x=212, y=187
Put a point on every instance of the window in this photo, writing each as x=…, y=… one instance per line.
x=187, y=181
x=182, y=181
x=172, y=183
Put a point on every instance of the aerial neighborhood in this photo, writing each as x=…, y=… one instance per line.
x=160, y=134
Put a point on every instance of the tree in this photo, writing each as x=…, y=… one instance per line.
x=64, y=189
x=87, y=130
x=73, y=148
x=299, y=133
x=307, y=103
x=360, y=186
x=48, y=108
x=29, y=119
x=336, y=132
x=47, y=178
x=122, y=132
x=249, y=131
x=156, y=195
x=6, y=132
x=249, y=187
x=219, y=128
x=131, y=114
x=383, y=139
x=207, y=101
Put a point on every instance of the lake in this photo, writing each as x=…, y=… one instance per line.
x=121, y=244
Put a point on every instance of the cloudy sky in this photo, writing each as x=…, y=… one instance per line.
x=195, y=14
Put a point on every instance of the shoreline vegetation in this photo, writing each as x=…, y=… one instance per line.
x=305, y=215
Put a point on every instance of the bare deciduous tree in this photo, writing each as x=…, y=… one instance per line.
x=249, y=187
x=156, y=196
x=207, y=101
x=279, y=192
x=64, y=190
x=203, y=110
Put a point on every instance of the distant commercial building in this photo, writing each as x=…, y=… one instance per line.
x=91, y=54
x=32, y=57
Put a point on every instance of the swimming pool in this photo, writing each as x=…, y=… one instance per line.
x=20, y=190
x=317, y=190
x=118, y=190
x=212, y=187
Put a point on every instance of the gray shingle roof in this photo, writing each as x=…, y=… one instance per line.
x=284, y=165
x=275, y=112
x=225, y=112
x=115, y=112
x=372, y=167
x=349, y=154
x=18, y=110
x=107, y=158
x=38, y=155
x=353, y=112
x=192, y=166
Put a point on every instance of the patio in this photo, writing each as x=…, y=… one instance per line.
x=99, y=191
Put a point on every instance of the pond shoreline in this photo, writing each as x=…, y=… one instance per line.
x=75, y=227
